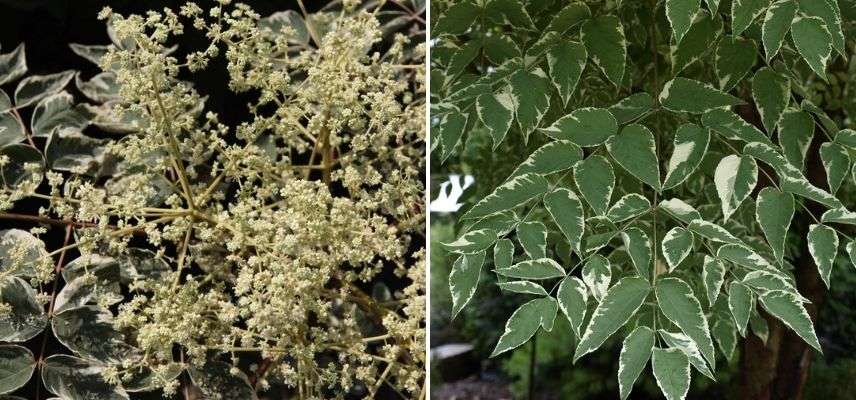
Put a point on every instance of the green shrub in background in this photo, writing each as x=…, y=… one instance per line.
x=687, y=183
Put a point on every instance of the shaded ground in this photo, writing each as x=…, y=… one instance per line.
x=471, y=388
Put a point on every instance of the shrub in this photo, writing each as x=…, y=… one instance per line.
x=282, y=255
x=689, y=179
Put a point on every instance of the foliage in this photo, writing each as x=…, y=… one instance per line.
x=221, y=260
x=677, y=150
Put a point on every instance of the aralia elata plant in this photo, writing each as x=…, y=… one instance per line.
x=282, y=255
x=669, y=148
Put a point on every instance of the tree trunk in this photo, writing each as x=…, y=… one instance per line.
x=778, y=371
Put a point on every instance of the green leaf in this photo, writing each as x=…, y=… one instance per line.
x=828, y=11
x=552, y=157
x=567, y=210
x=16, y=367
x=725, y=336
x=509, y=195
x=11, y=131
x=774, y=211
x=676, y=246
x=777, y=23
x=56, y=111
x=584, y=126
x=740, y=302
x=620, y=303
x=734, y=57
x=689, y=348
x=638, y=246
x=533, y=237
x=743, y=12
x=88, y=332
x=542, y=268
x=503, y=253
x=796, y=129
x=20, y=155
x=851, y=251
x=743, y=256
x=451, y=129
x=462, y=57
x=712, y=232
x=632, y=107
x=25, y=318
x=500, y=48
x=94, y=53
x=635, y=352
x=68, y=149
x=696, y=43
x=772, y=93
x=825, y=121
x=604, y=39
x=531, y=93
x=678, y=303
x=20, y=251
x=79, y=291
x=573, y=297
x=672, y=372
x=101, y=88
x=472, y=242
x=790, y=179
x=75, y=378
x=788, y=308
x=570, y=16
x=680, y=210
x=823, y=246
x=457, y=18
x=712, y=5
x=524, y=287
x=759, y=326
x=597, y=275
x=839, y=215
x=813, y=42
x=37, y=87
x=509, y=12
x=566, y=61
x=274, y=23
x=635, y=150
x=13, y=65
x=464, y=279
x=595, y=181
x=690, y=146
x=630, y=206
x=846, y=137
x=735, y=178
x=836, y=162
x=495, y=111
x=729, y=125
x=601, y=232
x=215, y=380
x=712, y=275
x=764, y=280
x=690, y=96
x=524, y=322
x=680, y=14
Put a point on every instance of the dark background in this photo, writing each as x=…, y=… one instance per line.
x=48, y=26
